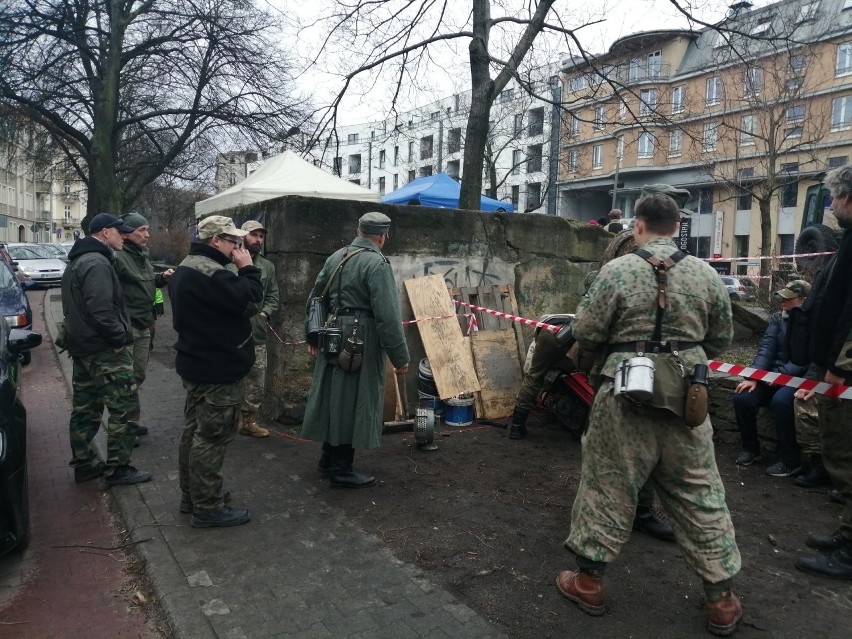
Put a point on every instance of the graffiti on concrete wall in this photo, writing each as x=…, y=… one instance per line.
x=457, y=273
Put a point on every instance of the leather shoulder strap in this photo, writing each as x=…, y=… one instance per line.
x=661, y=269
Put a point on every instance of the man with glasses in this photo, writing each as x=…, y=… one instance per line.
x=97, y=336
x=211, y=310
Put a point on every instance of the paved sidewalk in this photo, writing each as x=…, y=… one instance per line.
x=299, y=569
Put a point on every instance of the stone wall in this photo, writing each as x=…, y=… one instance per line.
x=544, y=258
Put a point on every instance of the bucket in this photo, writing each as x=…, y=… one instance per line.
x=427, y=400
x=458, y=411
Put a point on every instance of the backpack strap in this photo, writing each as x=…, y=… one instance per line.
x=661, y=269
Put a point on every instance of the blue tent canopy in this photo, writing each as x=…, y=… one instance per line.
x=440, y=191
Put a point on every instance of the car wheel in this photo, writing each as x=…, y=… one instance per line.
x=817, y=238
x=26, y=358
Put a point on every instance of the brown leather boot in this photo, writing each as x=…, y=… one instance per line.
x=248, y=426
x=584, y=590
x=724, y=614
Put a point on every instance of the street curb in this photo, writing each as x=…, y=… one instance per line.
x=176, y=598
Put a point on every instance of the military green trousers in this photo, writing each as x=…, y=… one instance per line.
x=835, y=421
x=254, y=383
x=140, y=350
x=211, y=414
x=622, y=449
x=807, y=426
x=101, y=380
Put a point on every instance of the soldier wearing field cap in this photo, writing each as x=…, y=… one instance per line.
x=345, y=407
x=211, y=312
x=255, y=382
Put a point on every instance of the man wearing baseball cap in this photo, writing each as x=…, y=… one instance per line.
x=211, y=314
x=97, y=336
x=254, y=384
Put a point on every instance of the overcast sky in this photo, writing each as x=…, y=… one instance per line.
x=368, y=97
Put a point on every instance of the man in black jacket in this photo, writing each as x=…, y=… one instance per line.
x=211, y=312
x=832, y=355
x=97, y=333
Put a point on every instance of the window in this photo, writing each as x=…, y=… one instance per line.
x=798, y=62
x=396, y=155
x=516, y=195
x=710, y=136
x=790, y=191
x=841, y=112
x=744, y=201
x=516, y=162
x=634, y=69
x=836, y=162
x=793, y=132
x=747, y=130
x=426, y=147
x=506, y=95
x=395, y=181
x=534, y=153
x=699, y=246
x=675, y=142
x=352, y=138
x=752, y=80
x=454, y=141
x=573, y=160
x=434, y=117
x=67, y=212
x=426, y=171
x=411, y=151
x=382, y=159
x=622, y=110
x=338, y=164
x=536, y=123
x=533, y=195
x=761, y=26
x=411, y=176
x=705, y=201
x=679, y=99
x=354, y=163
x=786, y=244
x=646, y=145
x=519, y=123
x=654, y=65
x=794, y=84
x=844, y=59
x=358, y=182
x=795, y=113
x=597, y=156
x=574, y=124
x=453, y=168
x=619, y=147
x=382, y=185
x=714, y=90
x=577, y=83
x=745, y=174
x=647, y=101
x=600, y=114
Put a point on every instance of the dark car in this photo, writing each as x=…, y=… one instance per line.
x=14, y=498
x=14, y=305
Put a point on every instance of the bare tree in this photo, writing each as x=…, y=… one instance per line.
x=132, y=89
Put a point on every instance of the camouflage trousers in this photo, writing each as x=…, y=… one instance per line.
x=254, y=384
x=622, y=449
x=835, y=417
x=807, y=426
x=211, y=414
x=547, y=355
x=140, y=350
x=101, y=380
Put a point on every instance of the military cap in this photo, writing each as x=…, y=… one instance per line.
x=794, y=289
x=374, y=223
x=253, y=225
x=134, y=221
x=218, y=225
x=681, y=196
x=108, y=221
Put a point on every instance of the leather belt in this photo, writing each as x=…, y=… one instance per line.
x=356, y=312
x=651, y=347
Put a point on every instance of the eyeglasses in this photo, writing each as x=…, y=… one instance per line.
x=228, y=239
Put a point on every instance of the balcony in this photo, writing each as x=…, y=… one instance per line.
x=633, y=73
x=67, y=196
x=43, y=216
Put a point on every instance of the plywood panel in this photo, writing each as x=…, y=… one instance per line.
x=449, y=358
x=495, y=358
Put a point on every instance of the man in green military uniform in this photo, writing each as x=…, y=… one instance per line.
x=98, y=336
x=345, y=408
x=255, y=381
x=139, y=281
x=626, y=444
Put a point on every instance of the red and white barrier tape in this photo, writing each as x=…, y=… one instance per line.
x=765, y=257
x=780, y=379
x=510, y=317
x=472, y=324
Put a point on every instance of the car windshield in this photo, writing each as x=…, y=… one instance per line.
x=729, y=281
x=32, y=252
x=7, y=278
x=52, y=249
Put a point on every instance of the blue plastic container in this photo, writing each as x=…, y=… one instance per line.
x=458, y=411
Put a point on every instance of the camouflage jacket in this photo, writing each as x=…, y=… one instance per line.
x=621, y=307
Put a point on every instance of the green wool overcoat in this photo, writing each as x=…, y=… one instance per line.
x=346, y=408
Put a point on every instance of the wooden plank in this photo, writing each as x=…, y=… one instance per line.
x=390, y=408
x=512, y=305
x=450, y=360
x=495, y=357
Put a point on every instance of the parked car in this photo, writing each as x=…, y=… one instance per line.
x=57, y=250
x=34, y=260
x=14, y=305
x=14, y=496
x=741, y=289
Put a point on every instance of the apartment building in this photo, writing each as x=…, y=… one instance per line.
x=746, y=116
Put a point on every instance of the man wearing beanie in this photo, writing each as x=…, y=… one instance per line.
x=344, y=409
x=98, y=336
x=137, y=277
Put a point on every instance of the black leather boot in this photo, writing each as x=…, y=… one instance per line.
x=647, y=522
x=815, y=476
x=342, y=474
x=324, y=463
x=518, y=429
x=836, y=564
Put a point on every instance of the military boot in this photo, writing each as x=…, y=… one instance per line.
x=835, y=565
x=724, y=614
x=815, y=475
x=646, y=521
x=324, y=463
x=583, y=589
x=249, y=427
x=342, y=474
x=518, y=429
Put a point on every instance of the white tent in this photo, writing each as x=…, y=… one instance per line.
x=285, y=174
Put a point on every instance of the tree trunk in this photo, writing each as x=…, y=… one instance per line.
x=765, y=243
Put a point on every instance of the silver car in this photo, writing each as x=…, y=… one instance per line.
x=740, y=288
x=38, y=263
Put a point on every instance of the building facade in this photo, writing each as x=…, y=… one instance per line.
x=746, y=116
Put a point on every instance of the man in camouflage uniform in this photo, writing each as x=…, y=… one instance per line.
x=255, y=381
x=98, y=335
x=139, y=281
x=345, y=408
x=831, y=352
x=211, y=311
x=625, y=445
